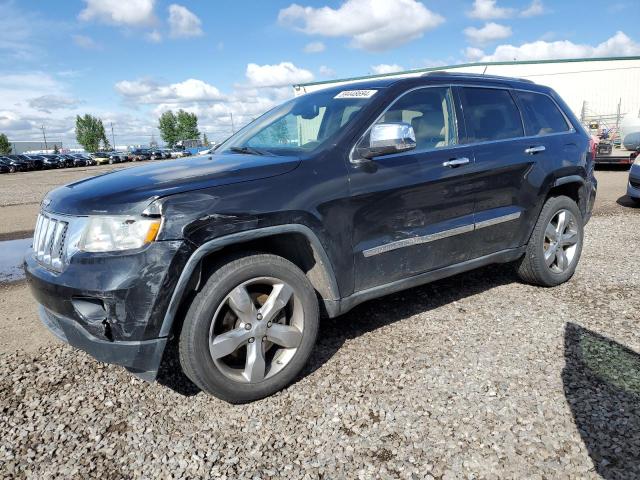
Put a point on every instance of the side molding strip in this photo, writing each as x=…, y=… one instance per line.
x=408, y=242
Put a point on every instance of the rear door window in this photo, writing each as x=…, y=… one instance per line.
x=491, y=114
x=541, y=114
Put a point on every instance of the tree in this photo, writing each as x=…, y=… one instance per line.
x=205, y=140
x=187, y=125
x=168, y=126
x=56, y=150
x=90, y=132
x=5, y=146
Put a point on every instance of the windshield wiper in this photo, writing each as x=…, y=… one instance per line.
x=247, y=150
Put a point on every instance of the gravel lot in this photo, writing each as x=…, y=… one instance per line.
x=477, y=376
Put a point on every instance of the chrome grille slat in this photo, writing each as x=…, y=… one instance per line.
x=49, y=241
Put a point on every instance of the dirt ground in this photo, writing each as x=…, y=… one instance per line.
x=20, y=195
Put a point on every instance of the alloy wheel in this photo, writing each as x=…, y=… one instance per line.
x=256, y=330
x=560, y=241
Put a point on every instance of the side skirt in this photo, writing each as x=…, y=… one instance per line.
x=342, y=306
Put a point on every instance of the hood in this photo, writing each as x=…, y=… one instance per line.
x=130, y=190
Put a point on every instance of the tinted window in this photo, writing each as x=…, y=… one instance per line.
x=542, y=114
x=491, y=114
x=430, y=112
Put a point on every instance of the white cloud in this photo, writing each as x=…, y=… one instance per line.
x=373, y=25
x=148, y=92
x=474, y=54
x=154, y=36
x=314, y=47
x=385, y=68
x=326, y=71
x=47, y=103
x=119, y=12
x=488, y=10
x=86, y=42
x=489, y=33
x=536, y=8
x=183, y=22
x=618, y=45
x=285, y=73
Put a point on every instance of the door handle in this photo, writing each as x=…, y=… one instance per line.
x=455, y=162
x=534, y=150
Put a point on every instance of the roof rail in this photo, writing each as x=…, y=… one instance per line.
x=473, y=75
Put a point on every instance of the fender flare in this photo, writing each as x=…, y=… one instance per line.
x=569, y=179
x=234, y=238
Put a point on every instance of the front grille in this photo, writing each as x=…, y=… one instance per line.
x=49, y=241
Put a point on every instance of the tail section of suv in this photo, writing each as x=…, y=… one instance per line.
x=334, y=198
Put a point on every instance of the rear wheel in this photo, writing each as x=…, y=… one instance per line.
x=251, y=329
x=12, y=169
x=555, y=245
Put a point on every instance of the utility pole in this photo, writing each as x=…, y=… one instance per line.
x=233, y=130
x=44, y=137
x=113, y=138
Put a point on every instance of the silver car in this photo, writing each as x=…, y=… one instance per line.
x=633, y=188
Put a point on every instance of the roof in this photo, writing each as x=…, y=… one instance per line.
x=463, y=65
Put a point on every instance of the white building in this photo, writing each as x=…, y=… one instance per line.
x=597, y=89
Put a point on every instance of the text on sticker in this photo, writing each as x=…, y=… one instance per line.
x=356, y=94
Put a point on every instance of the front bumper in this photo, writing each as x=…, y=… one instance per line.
x=111, y=306
x=142, y=358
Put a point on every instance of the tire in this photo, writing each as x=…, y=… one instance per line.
x=234, y=377
x=12, y=169
x=534, y=267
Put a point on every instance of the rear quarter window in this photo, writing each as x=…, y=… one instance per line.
x=491, y=114
x=542, y=115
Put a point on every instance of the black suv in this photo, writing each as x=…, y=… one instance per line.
x=331, y=199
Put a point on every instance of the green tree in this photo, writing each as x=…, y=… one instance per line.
x=56, y=150
x=187, y=125
x=90, y=132
x=168, y=126
x=5, y=146
x=205, y=140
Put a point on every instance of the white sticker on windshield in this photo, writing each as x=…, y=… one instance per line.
x=356, y=94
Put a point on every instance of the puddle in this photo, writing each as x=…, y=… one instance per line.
x=11, y=256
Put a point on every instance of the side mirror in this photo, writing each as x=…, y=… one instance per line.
x=387, y=138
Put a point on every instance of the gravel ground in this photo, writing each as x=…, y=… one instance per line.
x=476, y=376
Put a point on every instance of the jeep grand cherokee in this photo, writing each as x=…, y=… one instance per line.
x=331, y=199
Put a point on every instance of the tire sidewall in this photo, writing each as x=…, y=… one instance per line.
x=200, y=315
x=553, y=206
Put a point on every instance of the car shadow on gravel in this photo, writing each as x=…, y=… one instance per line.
x=601, y=382
x=390, y=309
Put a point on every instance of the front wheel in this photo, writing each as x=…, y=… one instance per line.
x=12, y=169
x=555, y=245
x=249, y=332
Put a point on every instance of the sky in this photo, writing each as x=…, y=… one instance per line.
x=127, y=61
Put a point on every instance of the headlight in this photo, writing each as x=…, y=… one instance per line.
x=109, y=234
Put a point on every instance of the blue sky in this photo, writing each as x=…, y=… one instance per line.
x=127, y=61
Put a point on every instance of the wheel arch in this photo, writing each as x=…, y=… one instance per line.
x=284, y=240
x=572, y=186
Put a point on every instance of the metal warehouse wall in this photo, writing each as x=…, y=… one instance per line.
x=602, y=83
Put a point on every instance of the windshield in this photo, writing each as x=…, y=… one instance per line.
x=300, y=125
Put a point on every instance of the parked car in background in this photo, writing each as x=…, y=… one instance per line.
x=101, y=158
x=87, y=158
x=38, y=163
x=140, y=154
x=6, y=167
x=124, y=156
x=633, y=188
x=16, y=165
x=156, y=154
x=27, y=163
x=49, y=161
